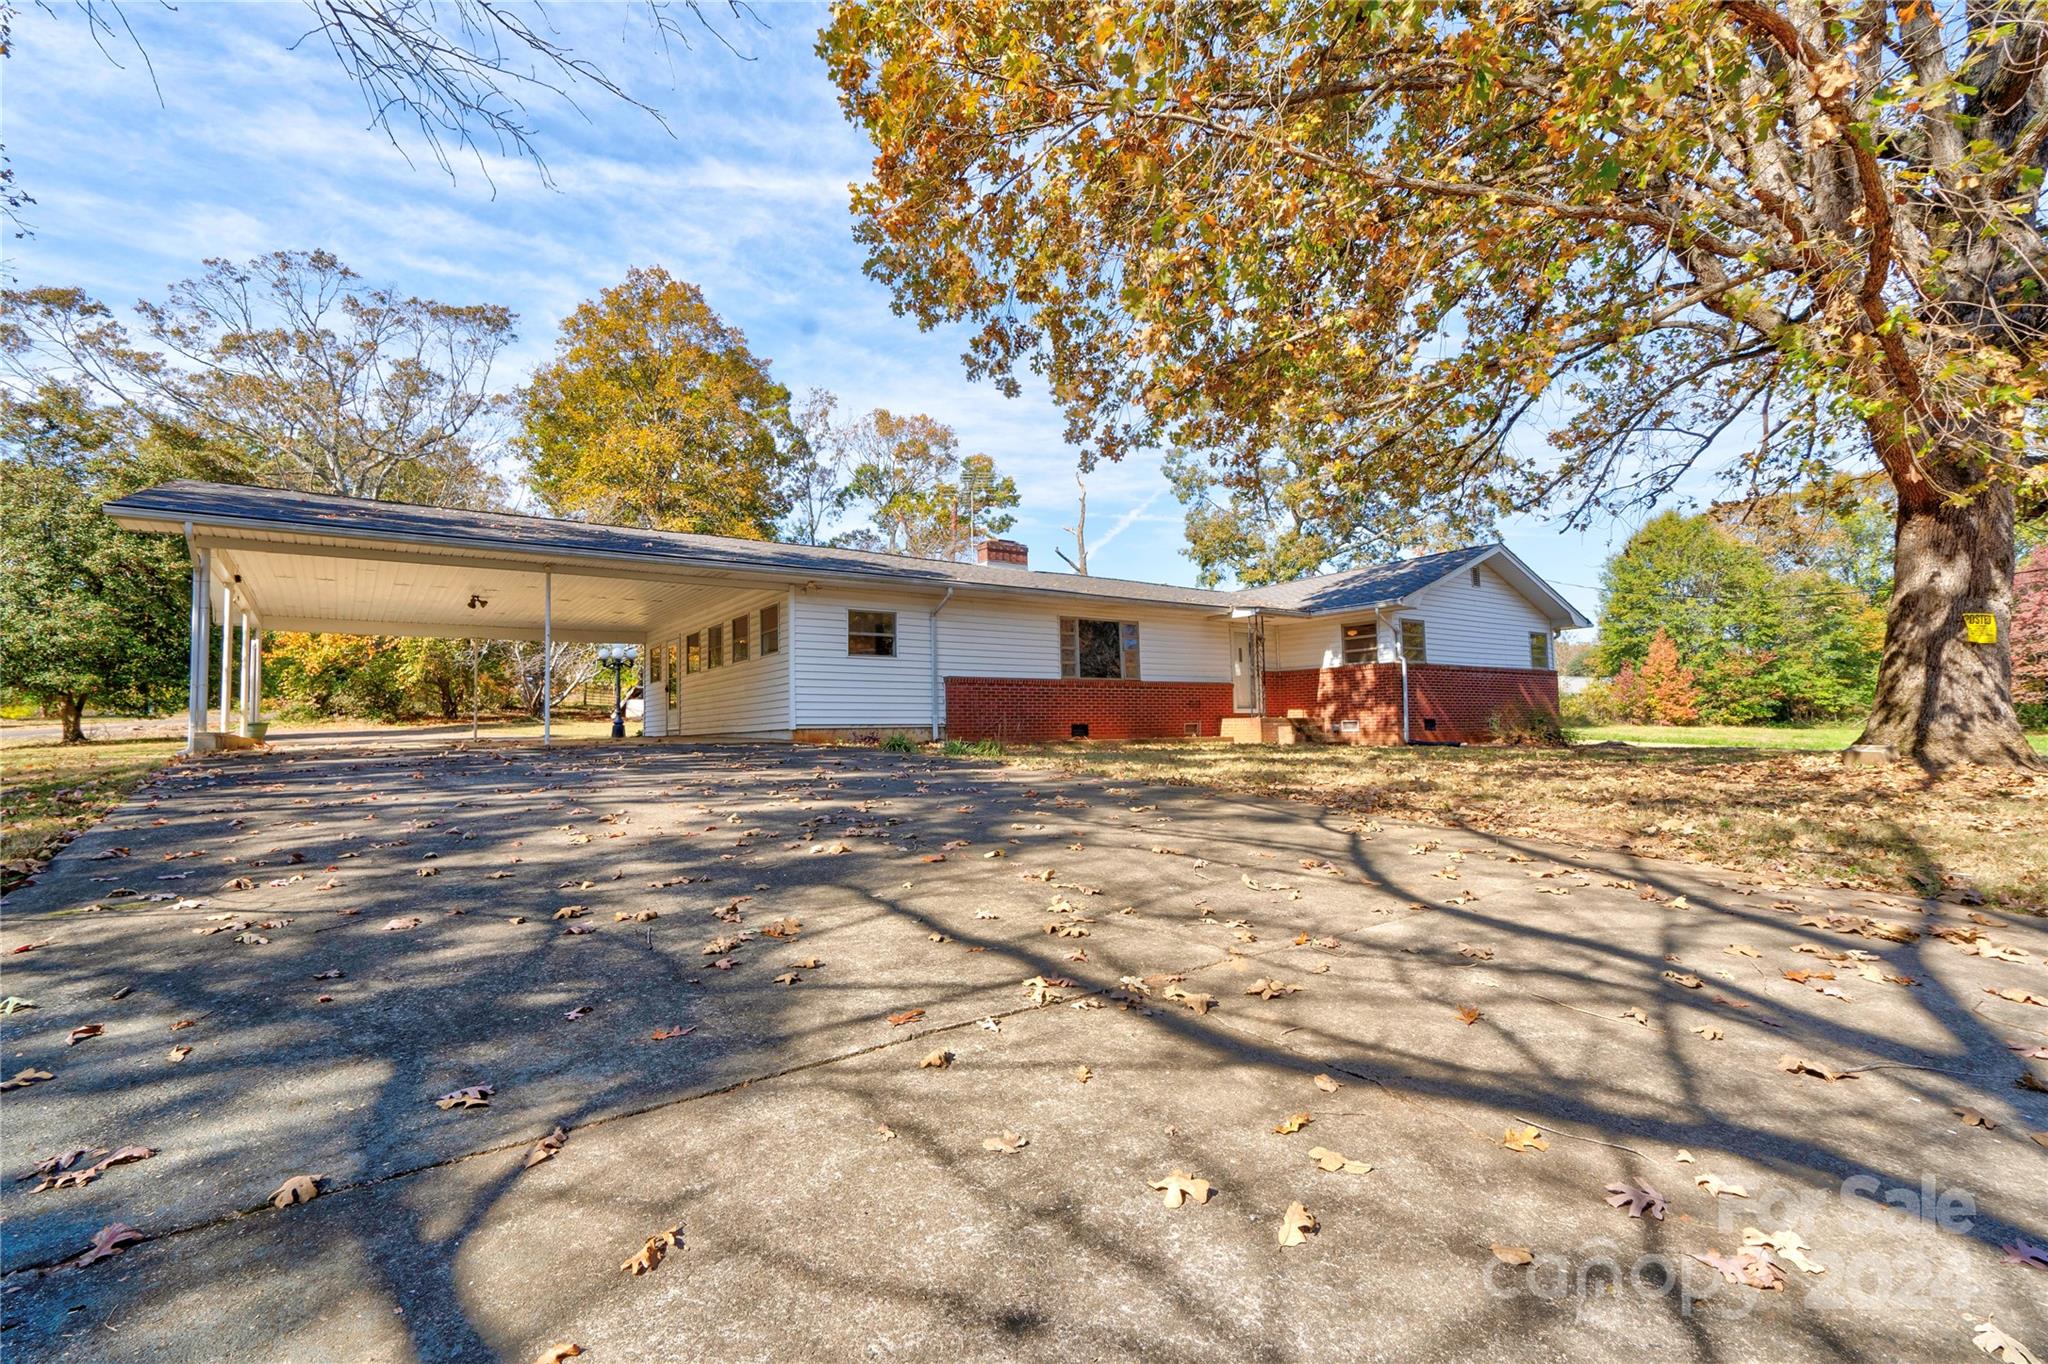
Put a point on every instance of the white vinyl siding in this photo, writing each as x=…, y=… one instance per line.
x=836, y=689
x=1487, y=626
x=747, y=698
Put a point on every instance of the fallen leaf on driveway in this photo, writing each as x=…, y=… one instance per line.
x=2017, y=995
x=23, y=1078
x=907, y=1016
x=1714, y=1185
x=1468, y=1016
x=2001, y=1346
x=107, y=1242
x=1272, y=989
x=1334, y=1162
x=1637, y=1198
x=651, y=1255
x=555, y=1354
x=1710, y=1033
x=1292, y=1123
x=1788, y=1246
x=1513, y=1255
x=1327, y=1085
x=1297, y=1224
x=1180, y=1187
x=1689, y=981
x=57, y=1175
x=1201, y=1004
x=545, y=1148
x=1524, y=1139
x=1736, y=949
x=938, y=1060
x=179, y=1053
x=784, y=928
x=1972, y=1118
x=1083, y=1075
x=1476, y=953
x=297, y=1189
x=399, y=925
x=2024, y=1253
x=1009, y=1143
x=1800, y=1066
x=1638, y=1015
x=476, y=1096
x=1750, y=1267
x=83, y=1031
x=668, y=1034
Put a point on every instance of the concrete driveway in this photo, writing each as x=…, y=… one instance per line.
x=730, y=1033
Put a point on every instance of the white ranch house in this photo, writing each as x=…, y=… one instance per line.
x=746, y=639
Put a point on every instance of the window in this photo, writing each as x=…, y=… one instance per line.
x=693, y=654
x=1412, y=644
x=671, y=684
x=1362, y=642
x=714, y=647
x=1539, y=648
x=872, y=633
x=771, y=630
x=1098, y=648
x=654, y=666
x=739, y=639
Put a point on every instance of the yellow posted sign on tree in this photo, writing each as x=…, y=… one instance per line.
x=1981, y=627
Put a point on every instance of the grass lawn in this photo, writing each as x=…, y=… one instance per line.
x=1802, y=817
x=1807, y=738
x=50, y=791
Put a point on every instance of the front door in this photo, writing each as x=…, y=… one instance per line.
x=1244, y=693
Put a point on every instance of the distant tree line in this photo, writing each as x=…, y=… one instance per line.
x=289, y=371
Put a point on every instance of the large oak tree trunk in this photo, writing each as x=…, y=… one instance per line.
x=1943, y=701
x=71, y=719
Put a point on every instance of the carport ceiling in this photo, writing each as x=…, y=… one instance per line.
x=293, y=586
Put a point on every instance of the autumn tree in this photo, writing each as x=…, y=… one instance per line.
x=1780, y=239
x=921, y=495
x=653, y=412
x=1280, y=515
x=1658, y=690
x=294, y=371
x=90, y=614
x=2030, y=637
x=818, y=491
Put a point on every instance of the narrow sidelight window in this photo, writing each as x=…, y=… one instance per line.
x=739, y=639
x=693, y=654
x=714, y=647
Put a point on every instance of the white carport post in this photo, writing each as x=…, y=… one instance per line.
x=227, y=652
x=248, y=692
x=195, y=676
x=547, y=656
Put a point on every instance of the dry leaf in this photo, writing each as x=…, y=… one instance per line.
x=1272, y=989
x=1800, y=1066
x=651, y=1255
x=1972, y=1118
x=1710, y=1033
x=1327, y=1085
x=555, y=1354
x=1009, y=1143
x=1751, y=1267
x=1637, y=1198
x=1292, y=1123
x=1297, y=1224
x=1468, y=1016
x=1513, y=1255
x=83, y=1031
x=670, y=1033
x=1787, y=1245
x=1715, y=1185
x=1335, y=1163
x=179, y=1053
x=2001, y=1346
x=545, y=1148
x=23, y=1078
x=1524, y=1139
x=907, y=1016
x=1179, y=1187
x=938, y=1060
x=297, y=1189
x=1083, y=1074
x=476, y=1096
x=1690, y=982
x=107, y=1242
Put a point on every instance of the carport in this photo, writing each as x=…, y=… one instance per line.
x=264, y=559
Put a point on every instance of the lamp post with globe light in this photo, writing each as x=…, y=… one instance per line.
x=617, y=657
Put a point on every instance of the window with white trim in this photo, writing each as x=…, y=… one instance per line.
x=771, y=630
x=714, y=647
x=1098, y=648
x=871, y=634
x=739, y=639
x=1539, y=648
x=1362, y=642
x=1414, y=647
x=693, y=655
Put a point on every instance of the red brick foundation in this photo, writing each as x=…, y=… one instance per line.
x=1035, y=710
x=1447, y=703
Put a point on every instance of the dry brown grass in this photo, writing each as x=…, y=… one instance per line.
x=1804, y=817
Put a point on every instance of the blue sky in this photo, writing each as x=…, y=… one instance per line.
x=244, y=144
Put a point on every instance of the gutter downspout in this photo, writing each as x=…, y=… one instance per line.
x=938, y=697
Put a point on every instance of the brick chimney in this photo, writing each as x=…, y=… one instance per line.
x=1003, y=554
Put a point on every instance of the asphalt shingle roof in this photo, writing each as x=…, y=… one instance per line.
x=278, y=510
